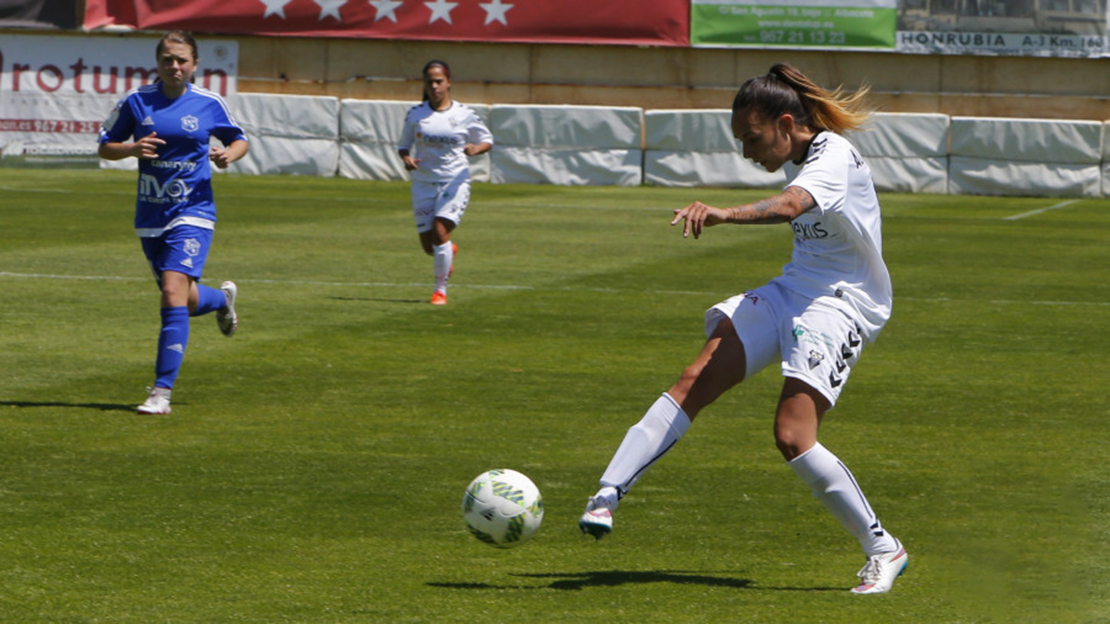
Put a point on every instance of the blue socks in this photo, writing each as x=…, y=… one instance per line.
x=171, y=344
x=209, y=300
x=175, y=334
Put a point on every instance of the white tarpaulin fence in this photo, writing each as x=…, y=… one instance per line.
x=1025, y=157
x=308, y=147
x=570, y=145
x=696, y=148
x=578, y=145
x=907, y=153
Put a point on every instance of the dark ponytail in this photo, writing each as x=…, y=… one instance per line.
x=785, y=90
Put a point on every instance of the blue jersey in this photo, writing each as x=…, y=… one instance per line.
x=175, y=188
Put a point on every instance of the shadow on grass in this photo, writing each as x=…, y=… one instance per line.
x=104, y=407
x=612, y=578
x=575, y=581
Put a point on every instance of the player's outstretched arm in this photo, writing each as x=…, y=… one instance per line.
x=781, y=208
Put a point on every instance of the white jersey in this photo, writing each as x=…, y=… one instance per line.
x=838, y=245
x=437, y=138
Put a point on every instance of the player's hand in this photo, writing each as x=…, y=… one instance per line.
x=696, y=217
x=411, y=163
x=219, y=157
x=470, y=149
x=147, y=147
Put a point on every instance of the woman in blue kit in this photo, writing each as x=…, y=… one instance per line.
x=171, y=122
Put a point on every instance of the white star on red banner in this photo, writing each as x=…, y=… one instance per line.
x=274, y=7
x=577, y=22
x=441, y=9
x=385, y=9
x=330, y=8
x=495, y=11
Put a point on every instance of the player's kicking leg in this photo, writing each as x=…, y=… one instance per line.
x=646, y=441
x=719, y=366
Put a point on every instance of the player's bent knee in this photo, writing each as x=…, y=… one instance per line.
x=790, y=449
x=793, y=439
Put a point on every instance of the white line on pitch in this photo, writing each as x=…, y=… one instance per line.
x=293, y=282
x=34, y=190
x=1039, y=210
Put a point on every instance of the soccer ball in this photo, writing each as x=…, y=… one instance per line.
x=502, y=508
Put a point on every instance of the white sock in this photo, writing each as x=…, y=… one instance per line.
x=444, y=255
x=833, y=484
x=646, y=441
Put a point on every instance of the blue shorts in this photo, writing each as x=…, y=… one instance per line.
x=183, y=249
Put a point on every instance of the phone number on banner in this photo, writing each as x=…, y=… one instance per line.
x=49, y=125
x=793, y=26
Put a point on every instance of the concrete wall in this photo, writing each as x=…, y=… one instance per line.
x=672, y=78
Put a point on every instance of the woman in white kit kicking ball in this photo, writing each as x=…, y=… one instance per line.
x=438, y=136
x=831, y=301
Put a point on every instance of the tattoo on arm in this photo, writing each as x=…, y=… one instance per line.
x=781, y=208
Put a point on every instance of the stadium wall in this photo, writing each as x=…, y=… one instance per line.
x=627, y=146
x=673, y=78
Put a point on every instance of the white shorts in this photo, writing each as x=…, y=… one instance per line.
x=439, y=200
x=816, y=340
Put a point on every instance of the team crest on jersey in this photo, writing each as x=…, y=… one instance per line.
x=815, y=359
x=190, y=123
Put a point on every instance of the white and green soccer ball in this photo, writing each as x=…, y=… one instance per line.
x=502, y=508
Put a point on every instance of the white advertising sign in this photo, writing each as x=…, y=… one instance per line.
x=55, y=90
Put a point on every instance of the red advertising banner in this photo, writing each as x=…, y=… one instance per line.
x=56, y=90
x=628, y=22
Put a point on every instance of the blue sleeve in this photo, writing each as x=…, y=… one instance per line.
x=120, y=124
x=224, y=127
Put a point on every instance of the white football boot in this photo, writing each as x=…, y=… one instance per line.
x=877, y=576
x=598, y=519
x=226, y=317
x=158, y=402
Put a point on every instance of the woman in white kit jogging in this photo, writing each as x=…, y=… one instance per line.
x=831, y=301
x=438, y=136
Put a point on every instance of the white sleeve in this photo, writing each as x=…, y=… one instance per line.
x=478, y=132
x=407, y=135
x=825, y=176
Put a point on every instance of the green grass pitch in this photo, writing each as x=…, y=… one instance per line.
x=314, y=465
